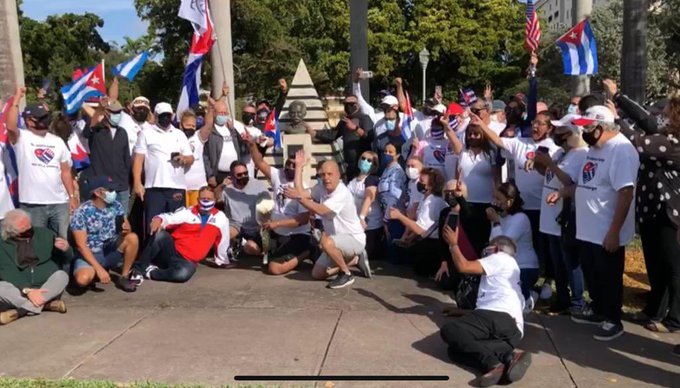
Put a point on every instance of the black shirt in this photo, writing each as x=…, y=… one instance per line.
x=109, y=156
x=353, y=145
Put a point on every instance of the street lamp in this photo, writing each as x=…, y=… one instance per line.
x=424, y=57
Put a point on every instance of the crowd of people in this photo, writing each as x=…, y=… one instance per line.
x=483, y=195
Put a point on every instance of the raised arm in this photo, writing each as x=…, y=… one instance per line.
x=491, y=135
x=365, y=107
x=452, y=136
x=204, y=132
x=643, y=119
x=533, y=93
x=113, y=89
x=13, y=115
x=401, y=97
x=258, y=158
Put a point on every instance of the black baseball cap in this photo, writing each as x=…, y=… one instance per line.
x=35, y=111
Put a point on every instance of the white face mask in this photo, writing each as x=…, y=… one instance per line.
x=412, y=173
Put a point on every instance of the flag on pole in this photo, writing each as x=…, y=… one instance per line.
x=195, y=11
x=129, y=69
x=467, y=97
x=408, y=119
x=191, y=79
x=8, y=156
x=273, y=129
x=579, y=52
x=533, y=28
x=91, y=84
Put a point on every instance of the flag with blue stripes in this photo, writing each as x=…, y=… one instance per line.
x=91, y=84
x=579, y=52
x=129, y=69
x=408, y=119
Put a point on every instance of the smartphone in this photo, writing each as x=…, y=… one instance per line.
x=452, y=221
x=119, y=224
x=543, y=149
x=366, y=74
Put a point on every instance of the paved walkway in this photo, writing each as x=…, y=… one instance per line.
x=233, y=322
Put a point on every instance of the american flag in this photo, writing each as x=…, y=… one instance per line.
x=533, y=28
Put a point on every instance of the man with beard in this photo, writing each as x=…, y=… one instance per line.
x=356, y=130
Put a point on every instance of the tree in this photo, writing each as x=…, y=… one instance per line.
x=634, y=59
x=664, y=15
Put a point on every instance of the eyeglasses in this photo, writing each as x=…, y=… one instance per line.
x=477, y=110
x=366, y=159
x=241, y=175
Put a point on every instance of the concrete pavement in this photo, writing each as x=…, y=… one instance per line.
x=225, y=323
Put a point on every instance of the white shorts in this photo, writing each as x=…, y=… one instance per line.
x=348, y=245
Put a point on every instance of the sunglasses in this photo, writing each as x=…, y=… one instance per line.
x=241, y=175
x=477, y=110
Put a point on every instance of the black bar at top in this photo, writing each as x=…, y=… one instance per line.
x=341, y=378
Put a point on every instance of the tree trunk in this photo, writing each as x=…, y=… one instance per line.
x=11, y=62
x=634, y=49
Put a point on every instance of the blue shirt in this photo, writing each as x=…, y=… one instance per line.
x=391, y=189
x=100, y=224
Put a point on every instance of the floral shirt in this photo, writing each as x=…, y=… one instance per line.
x=100, y=224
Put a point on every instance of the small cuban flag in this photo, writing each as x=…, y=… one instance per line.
x=129, y=69
x=579, y=52
x=408, y=119
x=272, y=128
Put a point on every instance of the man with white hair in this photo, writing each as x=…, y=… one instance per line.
x=604, y=218
x=30, y=278
x=164, y=153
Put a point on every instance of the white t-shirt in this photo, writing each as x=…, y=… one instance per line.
x=77, y=139
x=255, y=133
x=39, y=160
x=571, y=164
x=530, y=184
x=6, y=203
x=157, y=145
x=285, y=208
x=229, y=153
x=477, y=173
x=428, y=213
x=358, y=189
x=132, y=128
x=423, y=124
x=434, y=153
x=414, y=196
x=518, y=228
x=606, y=171
x=344, y=218
x=195, y=177
x=499, y=288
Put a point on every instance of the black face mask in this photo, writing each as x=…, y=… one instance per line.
x=451, y=199
x=497, y=208
x=164, y=120
x=42, y=123
x=420, y=186
x=247, y=118
x=591, y=138
x=351, y=109
x=474, y=142
x=243, y=181
x=140, y=115
x=189, y=131
x=290, y=174
x=427, y=111
x=26, y=234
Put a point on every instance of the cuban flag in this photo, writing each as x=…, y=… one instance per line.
x=196, y=11
x=8, y=156
x=89, y=85
x=129, y=69
x=191, y=79
x=273, y=129
x=408, y=119
x=579, y=52
x=467, y=97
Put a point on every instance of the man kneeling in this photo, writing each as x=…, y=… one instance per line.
x=184, y=238
x=30, y=279
x=486, y=337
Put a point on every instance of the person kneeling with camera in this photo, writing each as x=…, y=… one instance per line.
x=486, y=338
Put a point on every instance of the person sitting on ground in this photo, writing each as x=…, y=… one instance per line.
x=486, y=338
x=30, y=278
x=184, y=238
x=103, y=237
x=343, y=241
x=240, y=196
x=289, y=226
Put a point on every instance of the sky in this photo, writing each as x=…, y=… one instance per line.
x=120, y=17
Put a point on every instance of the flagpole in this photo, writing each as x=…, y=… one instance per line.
x=222, y=56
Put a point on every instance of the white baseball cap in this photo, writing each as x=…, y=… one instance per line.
x=440, y=108
x=389, y=101
x=567, y=122
x=162, y=107
x=595, y=114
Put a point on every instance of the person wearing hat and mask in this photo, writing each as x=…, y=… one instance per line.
x=109, y=151
x=356, y=131
x=137, y=116
x=605, y=221
x=103, y=238
x=498, y=121
x=164, y=153
x=389, y=130
x=557, y=219
x=46, y=189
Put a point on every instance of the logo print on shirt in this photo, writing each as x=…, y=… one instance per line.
x=589, y=170
x=439, y=155
x=530, y=155
x=44, y=155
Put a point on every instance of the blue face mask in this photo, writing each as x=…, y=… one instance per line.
x=390, y=124
x=572, y=109
x=365, y=166
x=110, y=197
x=221, y=120
x=206, y=205
x=114, y=119
x=387, y=159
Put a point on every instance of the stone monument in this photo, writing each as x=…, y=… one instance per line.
x=297, y=111
x=11, y=60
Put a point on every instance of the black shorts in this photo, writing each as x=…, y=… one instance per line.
x=250, y=236
x=284, y=248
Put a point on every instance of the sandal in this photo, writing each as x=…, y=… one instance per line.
x=657, y=327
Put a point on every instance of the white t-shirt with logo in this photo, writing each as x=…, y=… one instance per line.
x=499, y=287
x=433, y=152
x=343, y=219
x=285, y=208
x=605, y=171
x=423, y=124
x=157, y=145
x=229, y=153
x=6, y=203
x=428, y=213
x=571, y=164
x=39, y=160
x=518, y=228
x=255, y=133
x=477, y=173
x=530, y=184
x=132, y=128
x=195, y=177
x=358, y=189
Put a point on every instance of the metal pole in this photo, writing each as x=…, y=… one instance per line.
x=580, y=85
x=424, y=88
x=221, y=53
x=358, y=41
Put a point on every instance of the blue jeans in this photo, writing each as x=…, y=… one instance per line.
x=395, y=229
x=568, y=273
x=124, y=198
x=54, y=217
x=108, y=257
x=527, y=280
x=160, y=200
x=172, y=267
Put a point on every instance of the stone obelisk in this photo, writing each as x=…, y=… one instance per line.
x=11, y=60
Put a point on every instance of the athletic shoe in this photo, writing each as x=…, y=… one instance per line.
x=364, y=265
x=586, y=316
x=127, y=285
x=9, y=316
x=529, y=304
x=489, y=378
x=546, y=290
x=341, y=281
x=149, y=269
x=608, y=331
x=518, y=365
x=136, y=276
x=57, y=306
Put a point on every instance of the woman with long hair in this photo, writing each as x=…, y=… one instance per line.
x=364, y=188
x=392, y=195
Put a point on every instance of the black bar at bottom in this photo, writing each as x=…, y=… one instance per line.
x=341, y=378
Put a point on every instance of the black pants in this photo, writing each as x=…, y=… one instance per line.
x=482, y=339
x=540, y=243
x=662, y=259
x=603, y=273
x=478, y=227
x=160, y=200
x=375, y=244
x=426, y=256
x=161, y=252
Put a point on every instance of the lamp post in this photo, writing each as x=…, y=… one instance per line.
x=424, y=57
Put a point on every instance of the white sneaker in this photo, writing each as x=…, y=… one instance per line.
x=546, y=291
x=529, y=304
x=364, y=265
x=149, y=269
